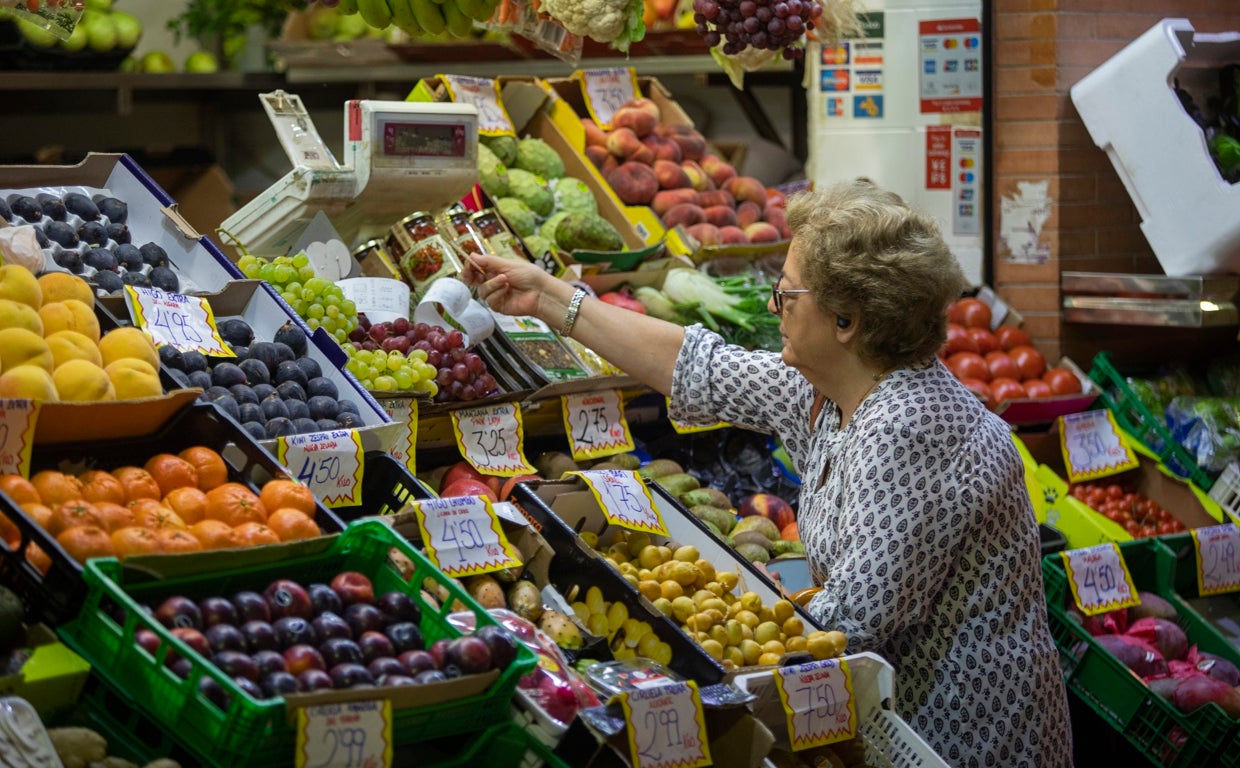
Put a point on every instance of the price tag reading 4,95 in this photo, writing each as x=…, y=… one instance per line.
x=1218, y=559
x=666, y=726
x=463, y=537
x=350, y=734
x=17, y=421
x=1092, y=447
x=330, y=463
x=596, y=425
x=490, y=438
x=818, y=702
x=606, y=90
x=1099, y=579
x=173, y=320
x=624, y=499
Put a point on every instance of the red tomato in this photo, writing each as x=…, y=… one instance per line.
x=1001, y=366
x=968, y=365
x=1032, y=364
x=1036, y=387
x=985, y=340
x=974, y=313
x=979, y=388
x=958, y=340
x=1010, y=336
x=1062, y=381
x=955, y=313
x=1006, y=389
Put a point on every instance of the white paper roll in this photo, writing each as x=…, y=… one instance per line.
x=381, y=299
x=447, y=303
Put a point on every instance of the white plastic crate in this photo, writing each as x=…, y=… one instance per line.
x=1226, y=491
x=1188, y=211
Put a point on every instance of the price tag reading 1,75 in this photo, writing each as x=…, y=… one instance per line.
x=17, y=421
x=624, y=499
x=1218, y=559
x=596, y=425
x=1092, y=447
x=462, y=535
x=490, y=438
x=348, y=734
x=330, y=463
x=173, y=320
x=666, y=726
x=818, y=702
x=1099, y=579
x=606, y=90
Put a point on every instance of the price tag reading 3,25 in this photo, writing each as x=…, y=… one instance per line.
x=1092, y=447
x=818, y=702
x=1218, y=559
x=348, y=734
x=490, y=438
x=1099, y=579
x=596, y=425
x=17, y=422
x=463, y=537
x=606, y=90
x=666, y=726
x=483, y=94
x=174, y=320
x=624, y=499
x=329, y=463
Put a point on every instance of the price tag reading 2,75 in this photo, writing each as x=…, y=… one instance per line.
x=329, y=463
x=606, y=90
x=173, y=320
x=596, y=425
x=1099, y=579
x=818, y=702
x=462, y=535
x=624, y=499
x=666, y=726
x=348, y=734
x=17, y=421
x=1218, y=559
x=490, y=438
x=1092, y=447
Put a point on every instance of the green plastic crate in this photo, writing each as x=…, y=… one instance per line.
x=504, y=745
x=257, y=732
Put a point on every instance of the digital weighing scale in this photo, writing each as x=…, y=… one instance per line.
x=399, y=157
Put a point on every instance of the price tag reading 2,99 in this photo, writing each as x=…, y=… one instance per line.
x=596, y=425
x=462, y=535
x=1218, y=559
x=818, y=702
x=174, y=320
x=624, y=499
x=666, y=726
x=606, y=90
x=17, y=422
x=490, y=438
x=1092, y=447
x=348, y=734
x=329, y=463
x=1099, y=579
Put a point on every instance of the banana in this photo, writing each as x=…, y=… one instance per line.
x=459, y=25
x=377, y=13
x=403, y=18
x=346, y=7
x=472, y=8
x=429, y=16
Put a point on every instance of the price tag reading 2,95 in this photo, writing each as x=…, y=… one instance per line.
x=666, y=727
x=596, y=425
x=818, y=702
x=1099, y=579
x=490, y=438
x=17, y=422
x=329, y=463
x=174, y=320
x=462, y=535
x=348, y=734
x=624, y=499
x=1092, y=447
x=606, y=90
x=1218, y=559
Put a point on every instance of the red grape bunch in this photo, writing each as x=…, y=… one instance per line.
x=766, y=24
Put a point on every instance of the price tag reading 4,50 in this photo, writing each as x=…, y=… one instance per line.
x=463, y=536
x=666, y=726
x=330, y=463
x=1092, y=447
x=1099, y=579
x=1218, y=559
x=490, y=438
x=173, y=320
x=624, y=499
x=483, y=94
x=818, y=702
x=596, y=425
x=17, y=422
x=350, y=734
x=606, y=90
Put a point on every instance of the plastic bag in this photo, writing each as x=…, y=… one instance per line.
x=1208, y=428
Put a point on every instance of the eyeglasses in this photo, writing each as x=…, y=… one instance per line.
x=777, y=293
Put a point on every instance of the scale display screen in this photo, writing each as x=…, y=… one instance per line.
x=424, y=139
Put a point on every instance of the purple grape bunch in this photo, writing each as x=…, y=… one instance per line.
x=771, y=25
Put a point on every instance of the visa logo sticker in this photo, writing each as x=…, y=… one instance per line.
x=868, y=80
x=834, y=80
x=870, y=105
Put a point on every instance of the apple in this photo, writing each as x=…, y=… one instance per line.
x=399, y=606
x=236, y=664
x=191, y=637
x=324, y=599
x=294, y=630
x=428, y=676
x=251, y=606
x=404, y=636
x=502, y=642
x=385, y=666
x=353, y=588
x=213, y=692
x=128, y=29
x=146, y=639
x=339, y=650
x=276, y=684
x=363, y=617
x=300, y=658
x=259, y=636
x=470, y=654
x=249, y=687
x=217, y=610
x=438, y=651
x=349, y=674
x=201, y=63
x=375, y=645
x=461, y=469
x=395, y=681
x=100, y=31
x=468, y=487
x=416, y=661
x=224, y=637
x=156, y=62
x=769, y=506
x=328, y=625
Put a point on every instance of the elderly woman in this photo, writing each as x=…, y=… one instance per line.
x=913, y=508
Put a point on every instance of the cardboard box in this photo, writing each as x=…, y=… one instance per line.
x=52, y=678
x=205, y=196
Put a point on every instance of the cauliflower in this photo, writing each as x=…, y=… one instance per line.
x=600, y=20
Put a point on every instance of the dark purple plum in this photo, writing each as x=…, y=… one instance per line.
x=179, y=611
x=294, y=630
x=288, y=598
x=395, y=681
x=278, y=684
x=181, y=667
x=250, y=606
x=439, y=651
x=417, y=661
x=313, y=680
x=338, y=650
x=329, y=625
x=324, y=598
x=259, y=636
x=399, y=606
x=225, y=637
x=236, y=664
x=385, y=665
x=215, y=609
x=502, y=642
x=349, y=674
x=363, y=617
x=299, y=658
x=374, y=645
x=213, y=691
x=269, y=661
x=191, y=637
x=250, y=687
x=471, y=654
x=428, y=676
x=405, y=636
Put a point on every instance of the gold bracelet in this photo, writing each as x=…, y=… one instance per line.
x=574, y=306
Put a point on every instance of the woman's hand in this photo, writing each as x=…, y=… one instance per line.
x=512, y=286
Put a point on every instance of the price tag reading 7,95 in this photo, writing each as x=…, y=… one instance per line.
x=596, y=425
x=1218, y=559
x=624, y=499
x=1092, y=447
x=348, y=734
x=606, y=90
x=329, y=463
x=463, y=537
x=490, y=438
x=173, y=320
x=17, y=422
x=818, y=702
x=666, y=726
x=1099, y=579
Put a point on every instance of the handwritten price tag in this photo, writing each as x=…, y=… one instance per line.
x=596, y=425
x=330, y=463
x=404, y=411
x=173, y=320
x=1099, y=579
x=463, y=537
x=666, y=726
x=491, y=439
x=818, y=701
x=351, y=734
x=1218, y=559
x=685, y=428
x=17, y=422
x=606, y=90
x=483, y=94
x=624, y=499
x=1092, y=447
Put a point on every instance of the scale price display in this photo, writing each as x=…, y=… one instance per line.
x=483, y=94
x=491, y=439
x=595, y=424
x=666, y=727
x=1099, y=579
x=351, y=734
x=174, y=320
x=606, y=90
x=463, y=536
x=329, y=463
x=403, y=411
x=17, y=422
x=1092, y=447
x=1218, y=559
x=818, y=702
x=624, y=499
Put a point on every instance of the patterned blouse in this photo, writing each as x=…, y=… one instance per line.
x=924, y=541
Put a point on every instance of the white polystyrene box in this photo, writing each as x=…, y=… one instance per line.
x=1189, y=213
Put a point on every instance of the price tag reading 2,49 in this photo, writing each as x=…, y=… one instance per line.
x=348, y=734
x=1092, y=447
x=818, y=702
x=624, y=499
x=1218, y=559
x=490, y=438
x=463, y=537
x=17, y=422
x=596, y=425
x=666, y=726
x=173, y=320
x=1099, y=579
x=606, y=90
x=330, y=463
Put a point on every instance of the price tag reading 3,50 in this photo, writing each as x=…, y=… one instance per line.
x=463, y=537
x=17, y=422
x=404, y=412
x=1218, y=559
x=173, y=320
x=606, y=90
x=1099, y=579
x=330, y=463
x=483, y=94
x=596, y=425
x=490, y=438
x=350, y=734
x=666, y=726
x=818, y=702
x=624, y=499
x=1092, y=447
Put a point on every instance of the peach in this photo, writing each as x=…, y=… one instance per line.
x=746, y=188
x=641, y=121
x=762, y=232
x=609, y=163
x=775, y=197
x=684, y=214
x=697, y=177
x=705, y=234
x=720, y=215
x=622, y=142
x=716, y=197
x=665, y=199
x=595, y=136
x=692, y=143
x=646, y=105
x=634, y=183
x=717, y=169
x=596, y=154
x=777, y=217
x=664, y=149
x=670, y=175
x=733, y=235
x=747, y=213
x=641, y=154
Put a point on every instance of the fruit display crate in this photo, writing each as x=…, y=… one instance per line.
x=1163, y=734
x=55, y=596
x=387, y=488
x=503, y=745
x=258, y=732
x=131, y=735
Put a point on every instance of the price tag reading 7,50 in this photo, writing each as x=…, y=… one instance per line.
x=1092, y=447
x=596, y=425
x=17, y=422
x=349, y=734
x=173, y=320
x=483, y=94
x=606, y=90
x=490, y=438
x=624, y=499
x=1099, y=579
x=463, y=537
x=329, y=463
x=1218, y=559
x=818, y=702
x=666, y=726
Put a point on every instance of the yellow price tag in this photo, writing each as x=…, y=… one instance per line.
x=491, y=438
x=606, y=90
x=484, y=94
x=1092, y=446
x=463, y=536
x=666, y=727
x=1218, y=559
x=1099, y=579
x=624, y=499
x=595, y=424
x=349, y=734
x=329, y=463
x=404, y=411
x=18, y=418
x=174, y=320
x=818, y=702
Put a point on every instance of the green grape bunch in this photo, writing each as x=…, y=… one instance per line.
x=318, y=301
